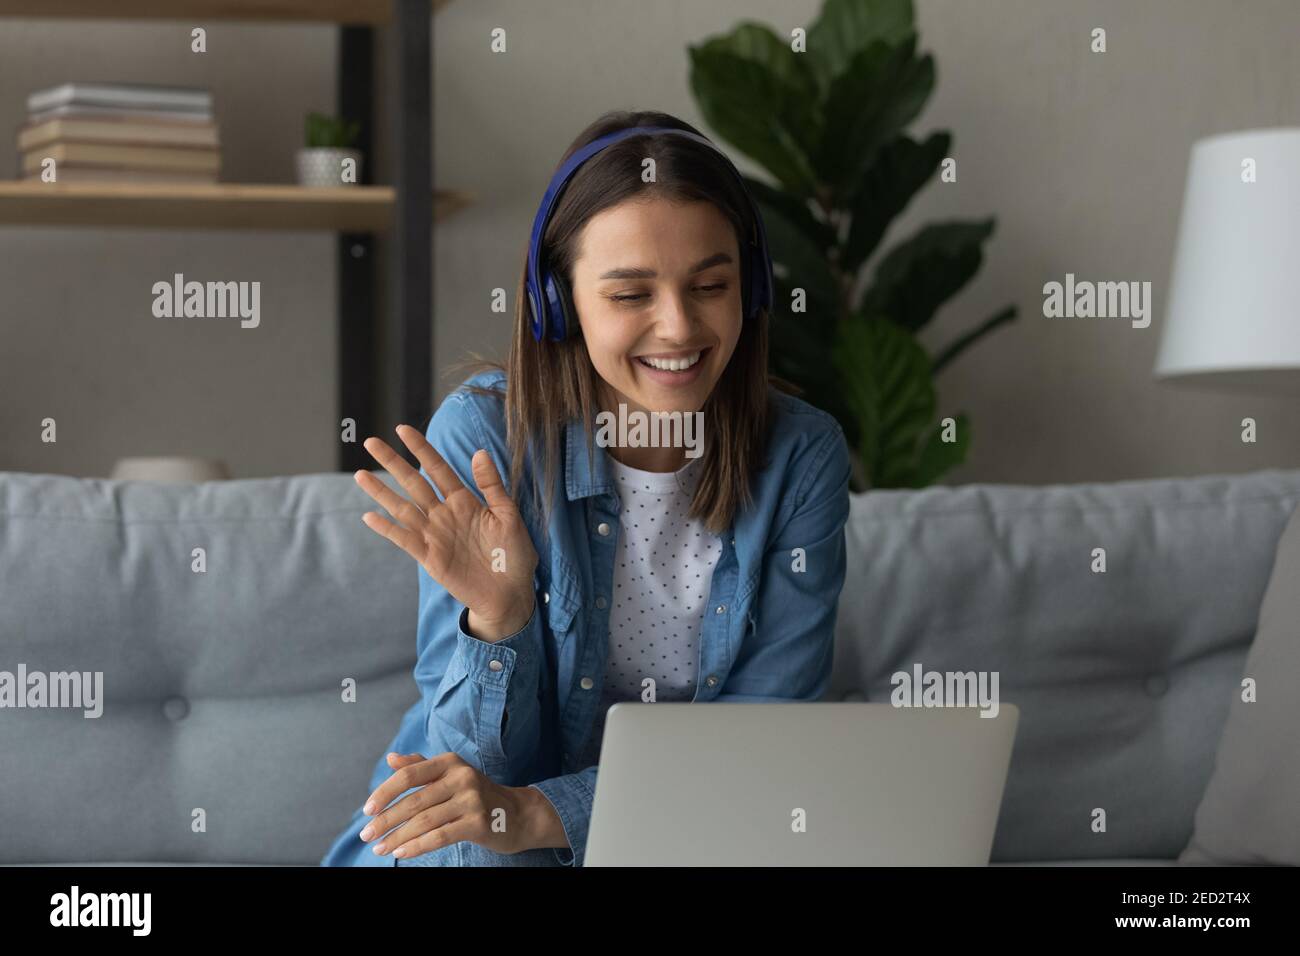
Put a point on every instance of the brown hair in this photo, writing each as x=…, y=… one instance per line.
x=550, y=383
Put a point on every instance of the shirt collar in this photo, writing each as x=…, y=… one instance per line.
x=581, y=480
x=584, y=481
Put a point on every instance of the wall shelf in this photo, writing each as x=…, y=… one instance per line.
x=368, y=12
x=215, y=206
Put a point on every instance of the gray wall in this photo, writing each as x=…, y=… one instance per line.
x=1081, y=158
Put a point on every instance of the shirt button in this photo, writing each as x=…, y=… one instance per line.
x=602, y=529
x=494, y=665
x=711, y=681
x=600, y=603
x=587, y=683
x=546, y=597
x=720, y=609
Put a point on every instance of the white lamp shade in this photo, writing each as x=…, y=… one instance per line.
x=1232, y=318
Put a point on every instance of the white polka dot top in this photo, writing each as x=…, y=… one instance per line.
x=663, y=568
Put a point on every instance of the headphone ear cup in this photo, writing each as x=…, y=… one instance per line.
x=747, y=287
x=535, y=315
x=554, y=306
x=571, y=325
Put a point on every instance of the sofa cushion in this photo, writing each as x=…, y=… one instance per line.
x=1250, y=813
x=1122, y=677
x=222, y=688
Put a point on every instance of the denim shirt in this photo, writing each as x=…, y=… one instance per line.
x=520, y=709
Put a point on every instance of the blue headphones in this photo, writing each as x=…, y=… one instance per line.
x=549, y=297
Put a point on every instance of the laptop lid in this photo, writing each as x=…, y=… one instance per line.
x=798, y=784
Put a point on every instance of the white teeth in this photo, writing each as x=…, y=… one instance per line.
x=671, y=365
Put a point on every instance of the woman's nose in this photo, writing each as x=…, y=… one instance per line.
x=673, y=318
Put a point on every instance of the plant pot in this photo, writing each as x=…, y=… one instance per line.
x=323, y=166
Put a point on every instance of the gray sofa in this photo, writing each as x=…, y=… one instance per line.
x=225, y=736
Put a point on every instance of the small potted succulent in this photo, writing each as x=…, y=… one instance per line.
x=330, y=157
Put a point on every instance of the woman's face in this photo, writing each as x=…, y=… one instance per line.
x=658, y=281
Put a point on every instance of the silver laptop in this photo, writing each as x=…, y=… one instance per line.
x=798, y=784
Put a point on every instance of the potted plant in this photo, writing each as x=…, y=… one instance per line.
x=828, y=125
x=329, y=158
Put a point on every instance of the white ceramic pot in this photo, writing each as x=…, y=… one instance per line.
x=170, y=469
x=324, y=166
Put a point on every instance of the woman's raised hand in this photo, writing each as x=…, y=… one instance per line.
x=483, y=556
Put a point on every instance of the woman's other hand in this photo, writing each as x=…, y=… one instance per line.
x=454, y=802
x=483, y=556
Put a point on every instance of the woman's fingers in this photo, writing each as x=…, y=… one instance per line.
x=422, y=810
x=385, y=821
x=418, y=774
x=408, y=541
x=488, y=479
x=438, y=834
x=442, y=474
x=396, y=760
x=406, y=476
x=396, y=505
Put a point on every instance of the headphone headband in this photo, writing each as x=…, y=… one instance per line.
x=549, y=298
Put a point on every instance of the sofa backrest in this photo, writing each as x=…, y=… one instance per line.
x=223, y=697
x=1122, y=677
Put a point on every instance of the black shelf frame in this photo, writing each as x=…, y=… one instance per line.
x=406, y=369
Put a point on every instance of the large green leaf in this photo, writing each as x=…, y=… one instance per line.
x=885, y=377
x=797, y=211
x=760, y=96
x=800, y=353
x=922, y=273
x=901, y=168
x=882, y=89
x=846, y=26
x=755, y=41
x=800, y=262
x=935, y=457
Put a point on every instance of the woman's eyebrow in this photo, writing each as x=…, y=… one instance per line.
x=717, y=259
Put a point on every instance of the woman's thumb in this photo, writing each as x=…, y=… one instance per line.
x=403, y=759
x=488, y=480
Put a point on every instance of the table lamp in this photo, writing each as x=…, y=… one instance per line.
x=1232, y=319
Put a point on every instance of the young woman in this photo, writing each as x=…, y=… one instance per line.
x=611, y=566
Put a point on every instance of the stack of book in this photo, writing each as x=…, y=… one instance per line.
x=97, y=132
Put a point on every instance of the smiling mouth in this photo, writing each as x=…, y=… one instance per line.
x=679, y=363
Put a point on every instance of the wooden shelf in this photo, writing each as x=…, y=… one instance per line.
x=448, y=202
x=323, y=11
x=217, y=206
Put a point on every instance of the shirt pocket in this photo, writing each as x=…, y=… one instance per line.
x=561, y=608
x=559, y=599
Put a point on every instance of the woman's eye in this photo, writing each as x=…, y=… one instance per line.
x=641, y=295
